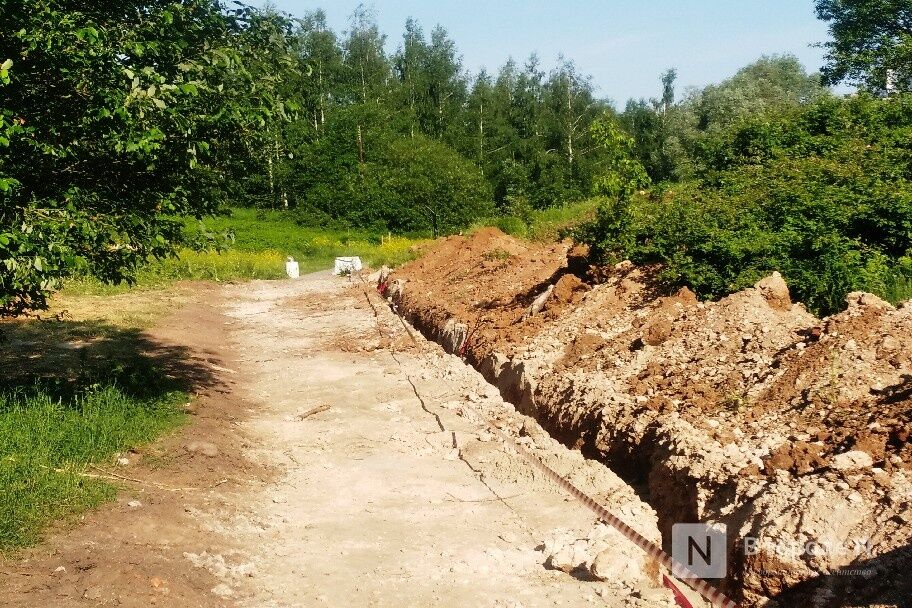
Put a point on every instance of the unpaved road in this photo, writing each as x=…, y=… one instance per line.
x=393, y=495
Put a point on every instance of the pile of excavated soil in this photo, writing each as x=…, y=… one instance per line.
x=487, y=282
x=748, y=411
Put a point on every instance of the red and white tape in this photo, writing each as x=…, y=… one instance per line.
x=679, y=570
x=713, y=595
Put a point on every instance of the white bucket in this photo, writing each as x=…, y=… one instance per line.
x=347, y=265
x=292, y=269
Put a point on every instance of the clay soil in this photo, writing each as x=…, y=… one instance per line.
x=749, y=411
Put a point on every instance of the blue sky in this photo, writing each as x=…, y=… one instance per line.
x=624, y=44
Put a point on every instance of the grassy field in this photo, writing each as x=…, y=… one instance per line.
x=263, y=240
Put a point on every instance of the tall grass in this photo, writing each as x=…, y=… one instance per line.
x=262, y=242
x=898, y=290
x=546, y=224
x=47, y=443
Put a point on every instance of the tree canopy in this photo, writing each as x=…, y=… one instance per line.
x=110, y=111
x=871, y=44
x=120, y=120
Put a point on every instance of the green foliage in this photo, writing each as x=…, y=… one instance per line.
x=624, y=175
x=527, y=131
x=668, y=135
x=822, y=194
x=871, y=45
x=769, y=86
x=117, y=121
x=263, y=239
x=386, y=180
x=47, y=442
x=418, y=183
x=548, y=225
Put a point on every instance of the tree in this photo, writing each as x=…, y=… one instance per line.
x=623, y=174
x=116, y=121
x=408, y=64
x=393, y=180
x=872, y=43
x=268, y=49
x=668, y=91
x=768, y=86
x=320, y=50
x=480, y=108
x=428, y=185
x=367, y=66
x=621, y=178
x=652, y=126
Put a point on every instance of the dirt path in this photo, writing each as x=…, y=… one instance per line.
x=391, y=494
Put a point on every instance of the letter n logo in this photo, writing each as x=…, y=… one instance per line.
x=701, y=548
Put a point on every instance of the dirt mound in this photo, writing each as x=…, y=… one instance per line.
x=487, y=282
x=748, y=411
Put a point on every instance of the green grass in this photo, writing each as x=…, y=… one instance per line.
x=547, y=224
x=899, y=290
x=314, y=248
x=263, y=240
x=47, y=443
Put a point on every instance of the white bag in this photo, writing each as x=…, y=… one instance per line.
x=292, y=269
x=347, y=265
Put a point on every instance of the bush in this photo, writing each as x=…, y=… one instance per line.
x=392, y=180
x=822, y=195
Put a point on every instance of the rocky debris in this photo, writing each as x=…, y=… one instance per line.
x=657, y=331
x=611, y=564
x=539, y=302
x=603, y=554
x=748, y=411
x=852, y=461
x=202, y=447
x=774, y=289
x=221, y=567
x=570, y=557
x=223, y=591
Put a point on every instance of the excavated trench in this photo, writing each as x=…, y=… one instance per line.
x=791, y=430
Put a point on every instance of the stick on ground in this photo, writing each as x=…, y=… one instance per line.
x=312, y=411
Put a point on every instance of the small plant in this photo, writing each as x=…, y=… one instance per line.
x=496, y=255
x=734, y=401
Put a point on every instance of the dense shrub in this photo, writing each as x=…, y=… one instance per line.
x=823, y=194
x=393, y=181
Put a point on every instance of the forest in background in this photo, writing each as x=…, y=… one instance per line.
x=119, y=122
x=365, y=114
